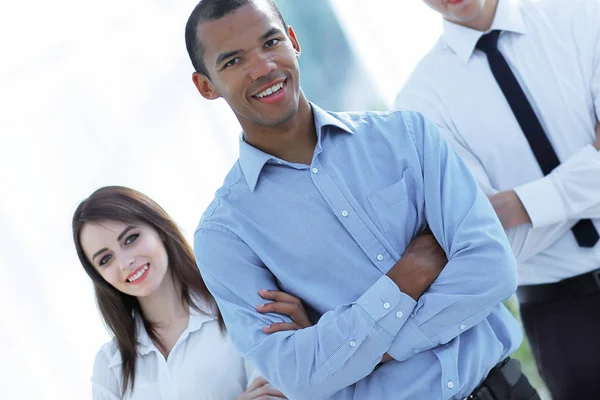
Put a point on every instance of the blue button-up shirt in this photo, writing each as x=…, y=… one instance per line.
x=329, y=231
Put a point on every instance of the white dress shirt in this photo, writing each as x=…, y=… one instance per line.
x=203, y=365
x=553, y=48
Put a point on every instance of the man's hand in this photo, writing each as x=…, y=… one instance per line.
x=291, y=306
x=597, y=142
x=422, y=262
x=509, y=209
x=285, y=304
x=261, y=389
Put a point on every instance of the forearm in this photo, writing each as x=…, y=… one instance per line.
x=476, y=279
x=342, y=348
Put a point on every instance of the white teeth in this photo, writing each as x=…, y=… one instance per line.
x=139, y=274
x=270, y=91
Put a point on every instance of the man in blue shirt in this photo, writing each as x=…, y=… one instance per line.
x=325, y=206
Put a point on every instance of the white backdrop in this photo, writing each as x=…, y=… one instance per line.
x=99, y=93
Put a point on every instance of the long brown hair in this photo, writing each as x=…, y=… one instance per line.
x=117, y=203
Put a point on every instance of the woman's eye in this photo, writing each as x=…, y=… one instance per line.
x=232, y=62
x=105, y=260
x=131, y=238
x=271, y=43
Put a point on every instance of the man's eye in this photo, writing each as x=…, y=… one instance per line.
x=131, y=238
x=232, y=62
x=105, y=260
x=271, y=43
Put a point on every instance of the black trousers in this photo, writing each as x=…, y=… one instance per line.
x=565, y=340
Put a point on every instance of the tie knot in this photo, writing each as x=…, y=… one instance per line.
x=488, y=42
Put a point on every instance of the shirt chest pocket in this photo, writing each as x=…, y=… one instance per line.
x=396, y=212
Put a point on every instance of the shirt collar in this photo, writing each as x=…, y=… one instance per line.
x=252, y=160
x=462, y=40
x=145, y=344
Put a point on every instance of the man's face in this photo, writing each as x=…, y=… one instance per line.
x=459, y=11
x=252, y=64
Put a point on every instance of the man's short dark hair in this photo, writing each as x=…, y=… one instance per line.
x=210, y=10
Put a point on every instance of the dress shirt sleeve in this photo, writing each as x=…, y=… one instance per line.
x=570, y=192
x=525, y=241
x=105, y=385
x=312, y=363
x=481, y=270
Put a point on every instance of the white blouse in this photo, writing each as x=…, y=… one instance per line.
x=202, y=365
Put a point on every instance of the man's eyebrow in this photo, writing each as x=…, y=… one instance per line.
x=271, y=32
x=223, y=56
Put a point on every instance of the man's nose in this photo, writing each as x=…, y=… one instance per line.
x=261, y=66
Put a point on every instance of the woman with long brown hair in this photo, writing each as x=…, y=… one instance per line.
x=169, y=339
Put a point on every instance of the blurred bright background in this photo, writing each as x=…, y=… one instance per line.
x=96, y=94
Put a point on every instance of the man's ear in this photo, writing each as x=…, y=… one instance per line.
x=294, y=40
x=205, y=86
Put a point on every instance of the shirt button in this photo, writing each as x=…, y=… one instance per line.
x=352, y=343
x=450, y=385
x=462, y=327
x=399, y=314
x=345, y=213
x=315, y=170
x=380, y=257
x=386, y=305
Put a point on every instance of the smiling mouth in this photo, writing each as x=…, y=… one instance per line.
x=269, y=92
x=136, y=277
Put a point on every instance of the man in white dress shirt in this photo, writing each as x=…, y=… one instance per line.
x=515, y=87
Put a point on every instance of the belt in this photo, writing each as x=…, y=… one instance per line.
x=577, y=286
x=499, y=382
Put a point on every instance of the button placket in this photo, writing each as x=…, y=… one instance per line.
x=351, y=218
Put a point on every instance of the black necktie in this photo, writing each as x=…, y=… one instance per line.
x=584, y=231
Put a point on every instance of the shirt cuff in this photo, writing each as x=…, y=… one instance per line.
x=387, y=305
x=542, y=202
x=409, y=341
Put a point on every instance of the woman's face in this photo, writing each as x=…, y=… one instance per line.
x=130, y=257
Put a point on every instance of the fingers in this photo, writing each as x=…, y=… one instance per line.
x=265, y=392
x=258, y=382
x=288, y=309
x=282, y=326
x=270, y=390
x=277, y=295
x=294, y=311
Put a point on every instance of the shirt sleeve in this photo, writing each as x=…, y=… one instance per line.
x=105, y=385
x=481, y=271
x=570, y=192
x=341, y=349
x=525, y=241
